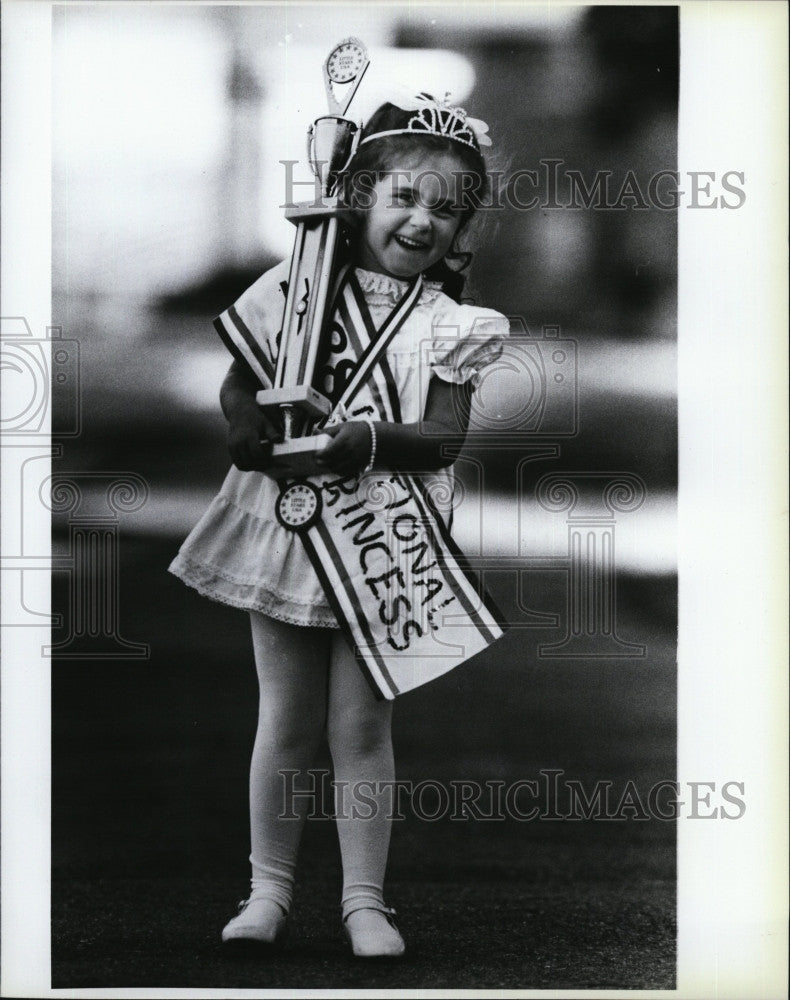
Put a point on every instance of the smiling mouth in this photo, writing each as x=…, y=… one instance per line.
x=410, y=244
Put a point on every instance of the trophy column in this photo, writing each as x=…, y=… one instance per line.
x=332, y=141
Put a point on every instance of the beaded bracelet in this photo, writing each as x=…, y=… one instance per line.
x=372, y=459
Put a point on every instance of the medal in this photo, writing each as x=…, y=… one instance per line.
x=298, y=506
x=345, y=65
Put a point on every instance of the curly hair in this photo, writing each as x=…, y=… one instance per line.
x=374, y=160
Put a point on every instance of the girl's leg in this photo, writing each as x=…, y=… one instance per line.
x=292, y=664
x=360, y=741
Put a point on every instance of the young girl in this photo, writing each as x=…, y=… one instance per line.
x=415, y=182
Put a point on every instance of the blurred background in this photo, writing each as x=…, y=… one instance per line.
x=170, y=125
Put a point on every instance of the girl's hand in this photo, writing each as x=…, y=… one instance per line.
x=349, y=451
x=250, y=438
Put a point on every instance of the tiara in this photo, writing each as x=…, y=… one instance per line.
x=434, y=117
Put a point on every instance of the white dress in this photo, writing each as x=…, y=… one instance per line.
x=238, y=553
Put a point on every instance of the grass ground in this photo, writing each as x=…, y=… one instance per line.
x=150, y=827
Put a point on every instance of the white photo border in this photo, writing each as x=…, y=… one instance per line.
x=732, y=882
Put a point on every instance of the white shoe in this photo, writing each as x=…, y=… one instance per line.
x=372, y=933
x=260, y=922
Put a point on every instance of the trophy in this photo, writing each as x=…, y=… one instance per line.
x=331, y=142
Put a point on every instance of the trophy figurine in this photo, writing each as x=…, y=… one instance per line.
x=331, y=143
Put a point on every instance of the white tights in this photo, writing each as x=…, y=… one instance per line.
x=310, y=683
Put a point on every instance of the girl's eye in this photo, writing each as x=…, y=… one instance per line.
x=404, y=198
x=442, y=210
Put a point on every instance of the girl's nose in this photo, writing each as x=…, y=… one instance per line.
x=420, y=217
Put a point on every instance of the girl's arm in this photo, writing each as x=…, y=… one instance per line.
x=250, y=432
x=432, y=443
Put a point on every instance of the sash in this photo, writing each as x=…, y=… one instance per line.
x=367, y=346
x=400, y=587
x=254, y=353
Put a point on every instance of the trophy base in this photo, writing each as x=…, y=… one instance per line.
x=295, y=459
x=302, y=397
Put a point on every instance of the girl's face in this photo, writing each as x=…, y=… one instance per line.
x=414, y=215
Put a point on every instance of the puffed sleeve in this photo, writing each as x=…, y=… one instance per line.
x=465, y=339
x=250, y=327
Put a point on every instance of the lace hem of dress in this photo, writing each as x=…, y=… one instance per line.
x=381, y=289
x=247, y=597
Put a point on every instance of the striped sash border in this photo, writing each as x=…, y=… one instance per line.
x=476, y=609
x=243, y=345
x=358, y=316
x=347, y=606
x=350, y=327
x=450, y=552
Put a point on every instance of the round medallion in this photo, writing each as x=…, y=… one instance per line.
x=298, y=506
x=345, y=61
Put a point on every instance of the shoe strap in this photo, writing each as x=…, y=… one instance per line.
x=365, y=904
x=244, y=903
